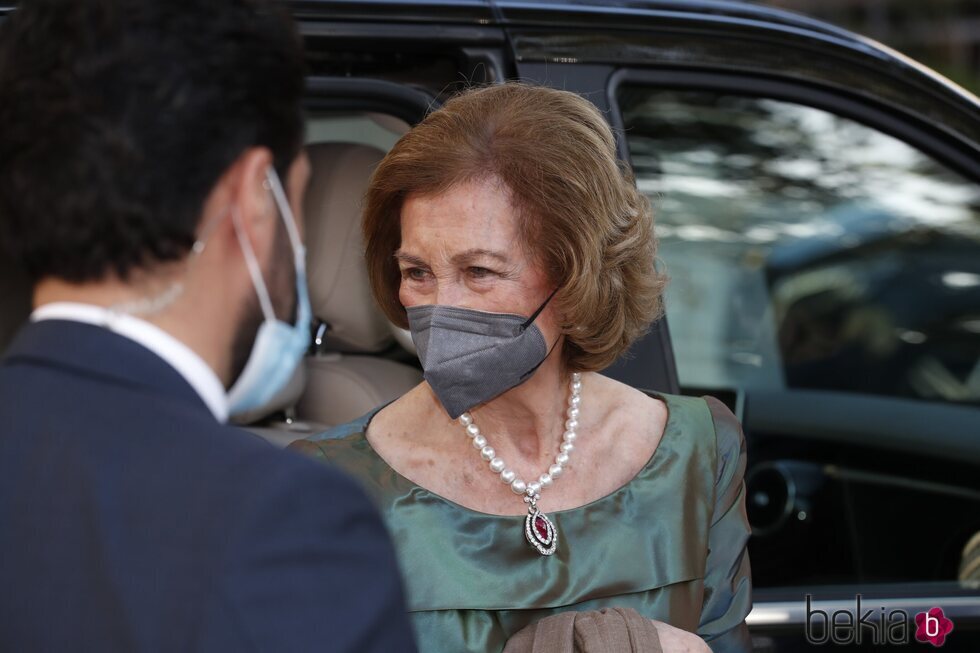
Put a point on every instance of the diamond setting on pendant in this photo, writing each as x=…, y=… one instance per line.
x=540, y=532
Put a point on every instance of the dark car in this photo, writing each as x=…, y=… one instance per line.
x=817, y=200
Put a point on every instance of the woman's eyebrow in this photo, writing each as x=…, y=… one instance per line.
x=472, y=254
x=411, y=259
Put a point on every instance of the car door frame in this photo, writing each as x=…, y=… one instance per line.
x=778, y=611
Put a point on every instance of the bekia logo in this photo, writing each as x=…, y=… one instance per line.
x=846, y=627
x=932, y=627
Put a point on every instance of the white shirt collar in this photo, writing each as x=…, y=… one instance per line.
x=182, y=358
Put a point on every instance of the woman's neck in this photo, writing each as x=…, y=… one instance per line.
x=525, y=424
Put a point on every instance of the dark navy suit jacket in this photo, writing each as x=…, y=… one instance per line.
x=131, y=520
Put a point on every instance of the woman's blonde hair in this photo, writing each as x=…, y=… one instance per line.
x=581, y=216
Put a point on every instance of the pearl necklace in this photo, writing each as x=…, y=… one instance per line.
x=538, y=529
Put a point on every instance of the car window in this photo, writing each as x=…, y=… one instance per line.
x=377, y=130
x=807, y=250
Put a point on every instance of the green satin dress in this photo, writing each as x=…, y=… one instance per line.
x=670, y=543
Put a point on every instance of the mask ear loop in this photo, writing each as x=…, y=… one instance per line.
x=548, y=355
x=273, y=183
x=528, y=323
x=536, y=313
x=252, y=263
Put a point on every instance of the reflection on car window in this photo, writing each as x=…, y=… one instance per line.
x=376, y=130
x=807, y=250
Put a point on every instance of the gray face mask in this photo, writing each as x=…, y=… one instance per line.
x=469, y=357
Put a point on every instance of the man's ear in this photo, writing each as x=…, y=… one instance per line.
x=252, y=199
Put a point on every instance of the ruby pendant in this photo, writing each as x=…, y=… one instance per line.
x=540, y=532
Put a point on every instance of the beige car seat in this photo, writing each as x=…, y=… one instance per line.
x=347, y=376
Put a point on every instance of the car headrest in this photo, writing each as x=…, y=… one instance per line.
x=340, y=291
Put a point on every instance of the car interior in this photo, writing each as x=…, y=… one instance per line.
x=845, y=492
x=358, y=360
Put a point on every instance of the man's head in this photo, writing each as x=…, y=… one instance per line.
x=131, y=127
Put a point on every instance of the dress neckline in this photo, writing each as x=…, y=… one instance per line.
x=404, y=480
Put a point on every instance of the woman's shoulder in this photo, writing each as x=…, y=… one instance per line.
x=344, y=445
x=717, y=425
x=729, y=442
x=354, y=427
x=695, y=411
x=708, y=423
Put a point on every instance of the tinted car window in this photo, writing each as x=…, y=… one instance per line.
x=807, y=250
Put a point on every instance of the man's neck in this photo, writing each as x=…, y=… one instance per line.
x=161, y=300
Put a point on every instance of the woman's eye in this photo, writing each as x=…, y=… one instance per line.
x=479, y=273
x=415, y=274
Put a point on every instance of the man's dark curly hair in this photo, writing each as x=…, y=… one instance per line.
x=117, y=118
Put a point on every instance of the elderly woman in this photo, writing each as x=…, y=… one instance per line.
x=516, y=480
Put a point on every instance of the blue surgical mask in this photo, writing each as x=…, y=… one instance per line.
x=278, y=346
